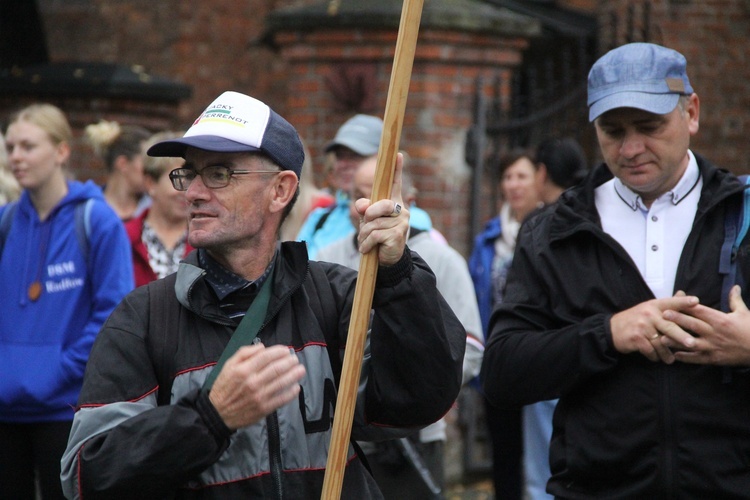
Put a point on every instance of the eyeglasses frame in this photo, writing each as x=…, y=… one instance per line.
x=173, y=174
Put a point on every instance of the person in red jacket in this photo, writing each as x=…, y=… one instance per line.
x=158, y=237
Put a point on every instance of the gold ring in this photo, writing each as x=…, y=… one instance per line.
x=656, y=336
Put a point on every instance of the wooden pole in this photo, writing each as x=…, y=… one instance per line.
x=393, y=120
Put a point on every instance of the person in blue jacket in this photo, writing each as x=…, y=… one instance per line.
x=488, y=265
x=64, y=266
x=356, y=140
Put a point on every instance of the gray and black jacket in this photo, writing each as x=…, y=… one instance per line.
x=125, y=445
x=625, y=427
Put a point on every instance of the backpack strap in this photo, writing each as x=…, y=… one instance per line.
x=323, y=218
x=83, y=226
x=745, y=215
x=736, y=224
x=323, y=301
x=82, y=223
x=163, y=324
x=5, y=220
x=246, y=331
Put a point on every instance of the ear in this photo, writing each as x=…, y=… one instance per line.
x=149, y=183
x=62, y=153
x=282, y=190
x=693, y=110
x=121, y=163
x=541, y=174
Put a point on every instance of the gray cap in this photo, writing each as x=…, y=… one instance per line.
x=360, y=133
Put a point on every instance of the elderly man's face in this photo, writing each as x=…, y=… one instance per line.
x=230, y=216
x=648, y=152
x=346, y=162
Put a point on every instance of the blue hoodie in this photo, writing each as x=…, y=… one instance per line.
x=45, y=344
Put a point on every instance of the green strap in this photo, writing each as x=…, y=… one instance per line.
x=246, y=331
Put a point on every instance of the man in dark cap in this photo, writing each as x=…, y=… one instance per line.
x=220, y=380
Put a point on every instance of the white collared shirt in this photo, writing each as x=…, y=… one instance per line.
x=653, y=237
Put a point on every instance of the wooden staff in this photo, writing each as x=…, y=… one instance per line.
x=355, y=345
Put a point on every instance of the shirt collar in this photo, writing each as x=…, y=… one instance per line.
x=684, y=186
x=224, y=281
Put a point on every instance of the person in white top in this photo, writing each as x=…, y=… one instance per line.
x=396, y=476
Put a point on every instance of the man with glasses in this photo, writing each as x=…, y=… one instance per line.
x=220, y=381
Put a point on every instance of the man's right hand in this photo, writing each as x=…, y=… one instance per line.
x=254, y=382
x=640, y=328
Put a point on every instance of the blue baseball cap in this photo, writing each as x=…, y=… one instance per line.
x=238, y=123
x=637, y=75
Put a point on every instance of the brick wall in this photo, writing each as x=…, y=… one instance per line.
x=438, y=111
x=712, y=35
x=217, y=45
x=212, y=46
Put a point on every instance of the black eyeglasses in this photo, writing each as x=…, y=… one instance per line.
x=215, y=176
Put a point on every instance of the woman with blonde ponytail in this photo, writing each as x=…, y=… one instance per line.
x=120, y=147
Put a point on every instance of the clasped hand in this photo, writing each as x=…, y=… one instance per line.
x=679, y=328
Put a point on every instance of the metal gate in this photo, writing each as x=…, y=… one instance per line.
x=547, y=98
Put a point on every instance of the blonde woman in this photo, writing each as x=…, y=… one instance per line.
x=64, y=266
x=120, y=147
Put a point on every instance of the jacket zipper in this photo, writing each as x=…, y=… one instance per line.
x=667, y=426
x=274, y=453
x=272, y=420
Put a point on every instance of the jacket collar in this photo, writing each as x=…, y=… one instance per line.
x=576, y=209
x=688, y=181
x=193, y=291
x=492, y=230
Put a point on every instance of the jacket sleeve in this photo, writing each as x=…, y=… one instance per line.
x=417, y=348
x=110, y=272
x=117, y=446
x=535, y=350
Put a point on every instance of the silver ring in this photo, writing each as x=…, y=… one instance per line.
x=396, y=210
